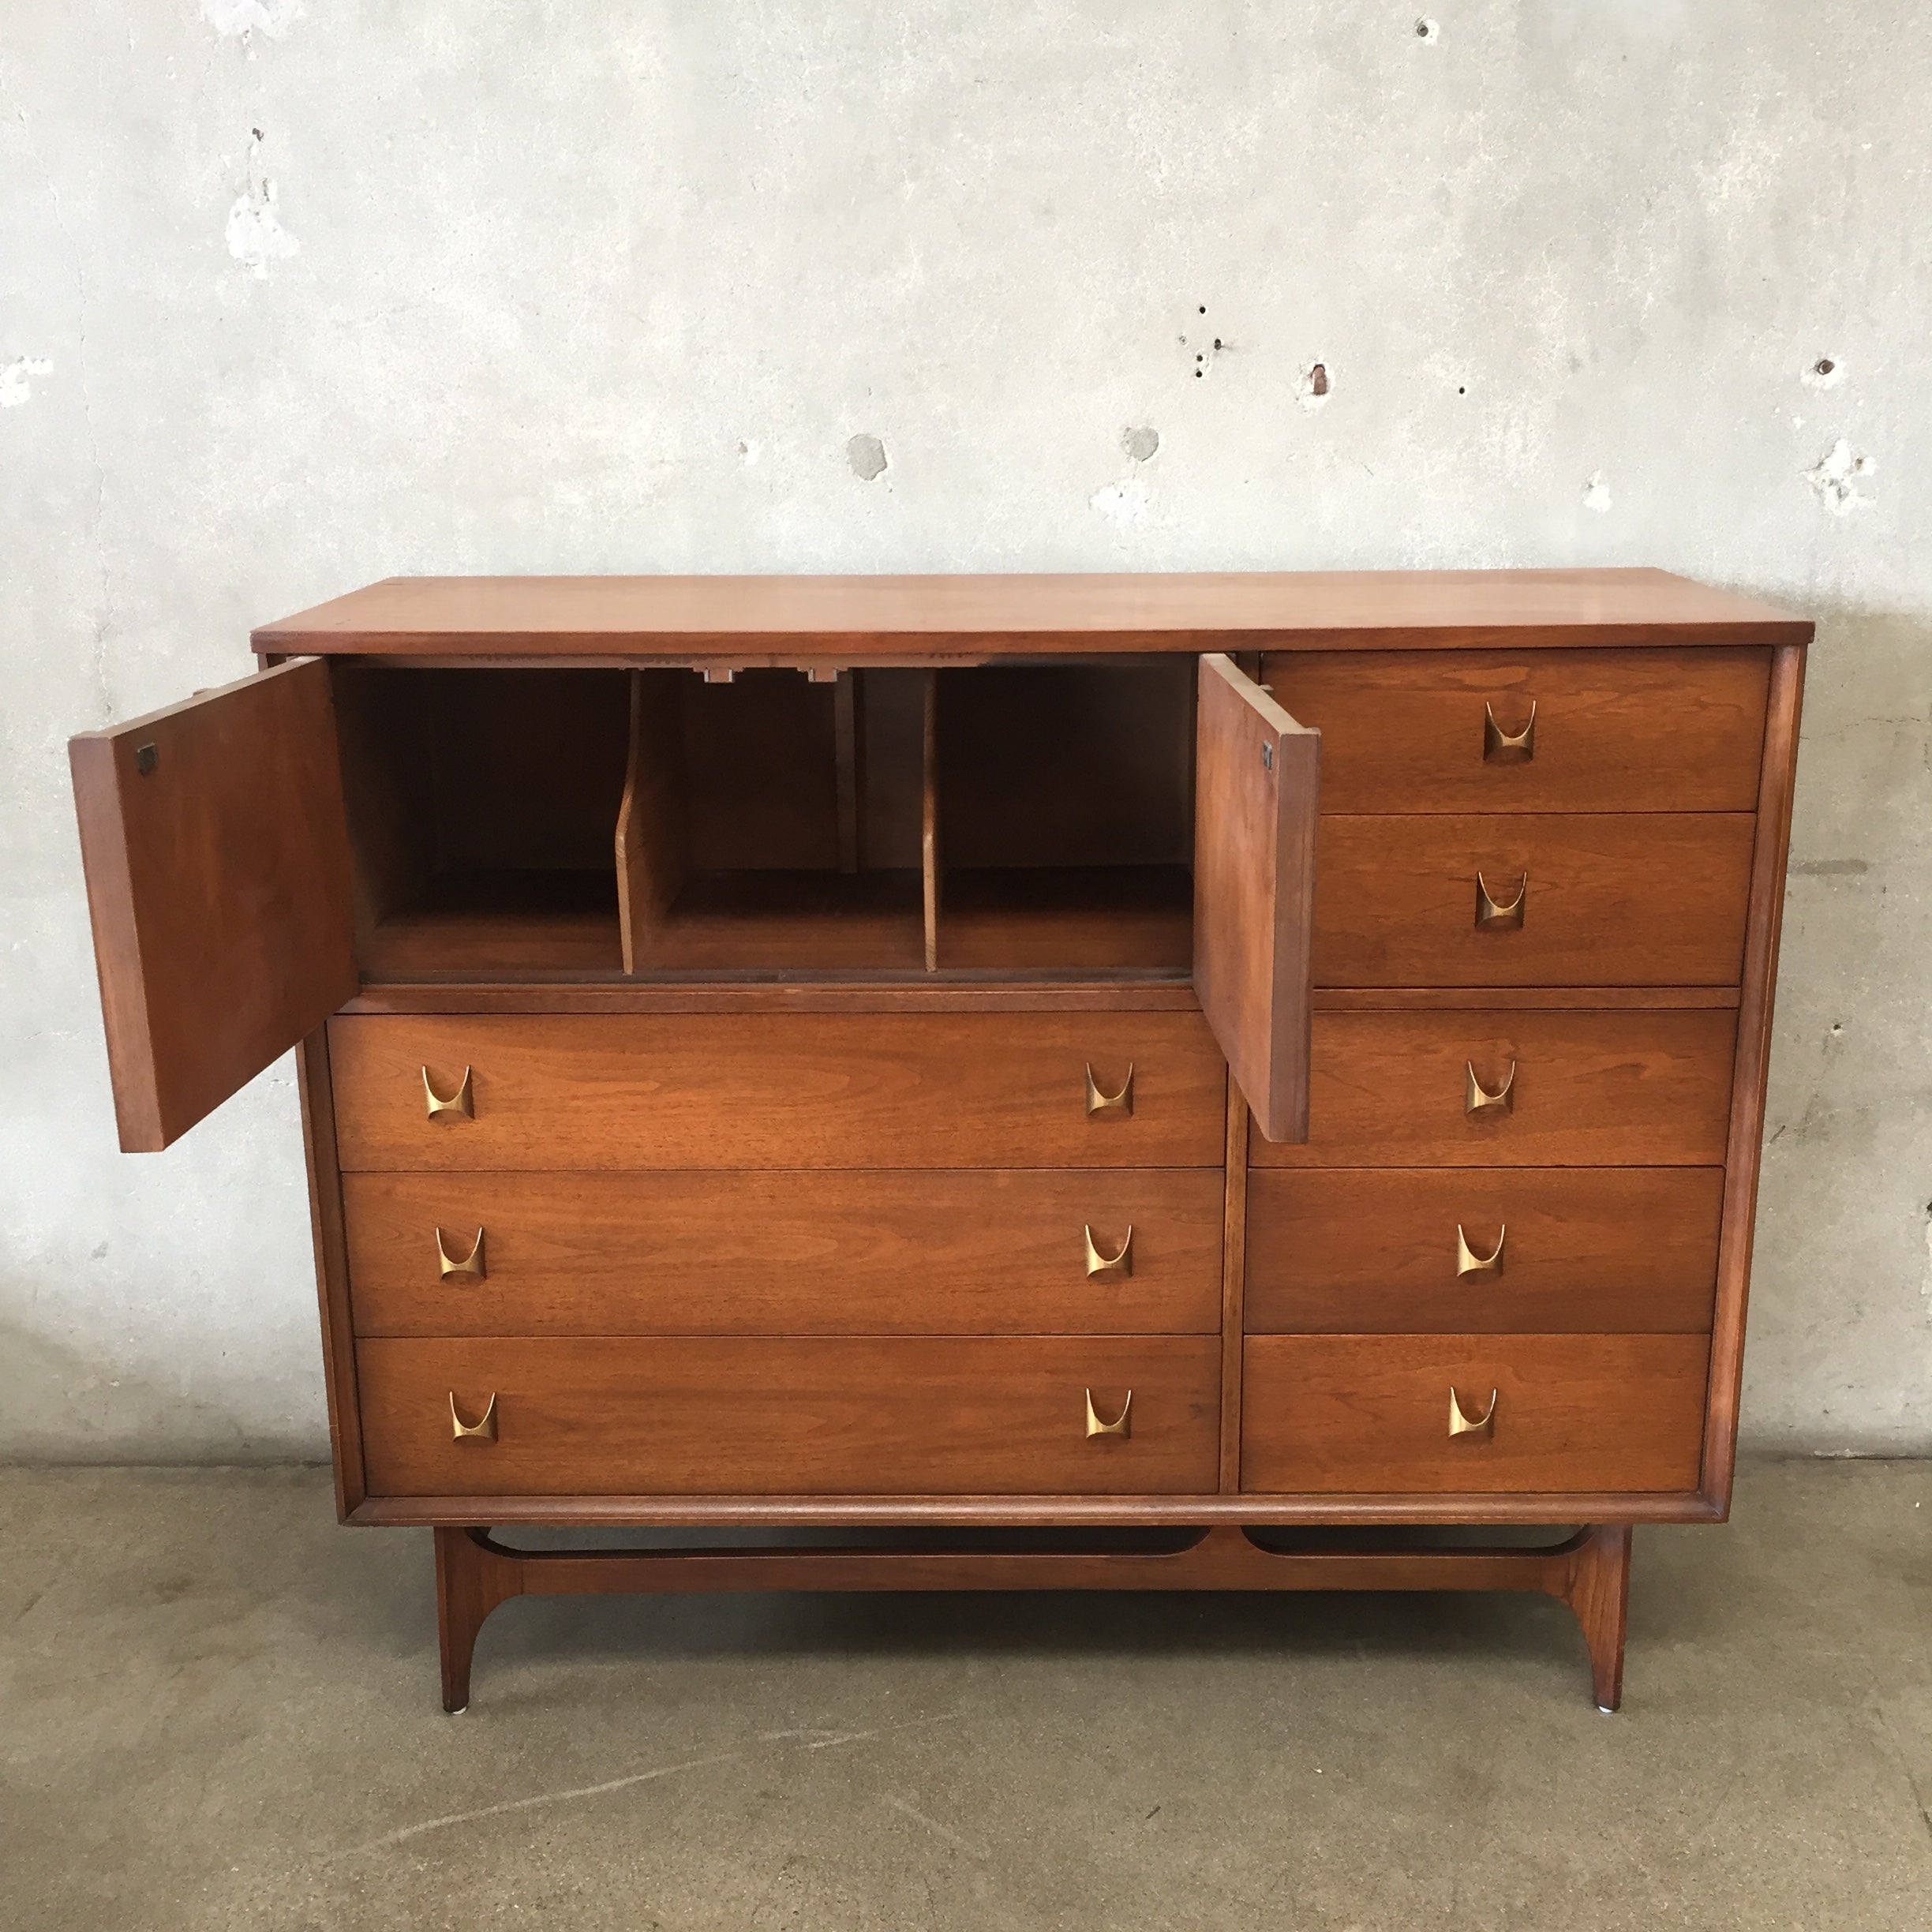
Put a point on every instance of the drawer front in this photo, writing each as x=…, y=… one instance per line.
x=956, y=1251
x=792, y=1090
x=1588, y=1089
x=1370, y=1414
x=1615, y=730
x=1530, y=1250
x=682, y=1416
x=1636, y=899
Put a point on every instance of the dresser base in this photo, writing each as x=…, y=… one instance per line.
x=1590, y=1572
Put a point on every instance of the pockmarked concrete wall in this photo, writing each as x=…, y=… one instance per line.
x=298, y=293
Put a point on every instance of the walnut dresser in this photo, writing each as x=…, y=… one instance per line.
x=1244, y=1071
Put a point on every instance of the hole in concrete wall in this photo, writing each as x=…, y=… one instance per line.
x=866, y=454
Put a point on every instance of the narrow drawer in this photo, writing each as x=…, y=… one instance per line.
x=1371, y=1414
x=1579, y=899
x=791, y=1090
x=683, y=1415
x=955, y=1251
x=1469, y=1088
x=1532, y=1250
x=1615, y=730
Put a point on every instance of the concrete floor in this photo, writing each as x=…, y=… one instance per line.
x=218, y=1710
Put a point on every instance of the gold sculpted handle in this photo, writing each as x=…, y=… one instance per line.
x=459, y=1103
x=1122, y=1264
x=1469, y=1262
x=471, y=1263
x=1118, y=1426
x=484, y=1429
x=1099, y=1102
x=1476, y=1098
x=1500, y=748
x=1461, y=1424
x=1500, y=916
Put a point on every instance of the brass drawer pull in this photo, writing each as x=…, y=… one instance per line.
x=484, y=1429
x=471, y=1263
x=1122, y=1264
x=1469, y=1262
x=459, y=1103
x=1119, y=1426
x=1494, y=915
x=1461, y=1424
x=1476, y=1098
x=1099, y=1102
x=1500, y=748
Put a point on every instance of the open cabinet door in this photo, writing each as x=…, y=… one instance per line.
x=1257, y=781
x=217, y=856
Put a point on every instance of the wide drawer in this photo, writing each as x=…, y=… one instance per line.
x=791, y=1089
x=1579, y=899
x=1469, y=1087
x=1615, y=730
x=955, y=1251
x=1498, y=1250
x=814, y=1415
x=1371, y=1414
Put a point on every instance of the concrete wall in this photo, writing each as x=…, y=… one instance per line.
x=294, y=296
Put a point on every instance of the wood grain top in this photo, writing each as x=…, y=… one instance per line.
x=750, y=619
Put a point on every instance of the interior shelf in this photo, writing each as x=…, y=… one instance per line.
x=498, y=922
x=1069, y=919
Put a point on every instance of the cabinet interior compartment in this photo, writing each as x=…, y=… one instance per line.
x=481, y=805
x=597, y=822
x=772, y=823
x=1065, y=816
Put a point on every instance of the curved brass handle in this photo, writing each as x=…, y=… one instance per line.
x=1494, y=915
x=1500, y=748
x=471, y=1263
x=1476, y=1097
x=1119, y=1426
x=1461, y=1424
x=459, y=1103
x=1098, y=1102
x=1469, y=1262
x=484, y=1429
x=1122, y=1264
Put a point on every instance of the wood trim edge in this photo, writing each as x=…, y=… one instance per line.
x=1744, y=1144
x=317, y=1091
x=1234, y=1287
x=1043, y=1512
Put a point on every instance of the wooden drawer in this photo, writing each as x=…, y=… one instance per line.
x=1636, y=899
x=1615, y=730
x=791, y=1089
x=742, y=1416
x=1573, y=1249
x=1370, y=1414
x=955, y=1251
x=1588, y=1089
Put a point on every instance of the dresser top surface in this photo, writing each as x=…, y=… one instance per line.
x=860, y=617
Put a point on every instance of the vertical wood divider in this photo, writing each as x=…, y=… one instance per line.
x=929, y=822
x=848, y=755
x=648, y=841
x=1744, y=1144
x=1234, y=1287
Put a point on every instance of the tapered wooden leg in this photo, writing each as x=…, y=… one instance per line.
x=472, y=1577
x=1596, y=1587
